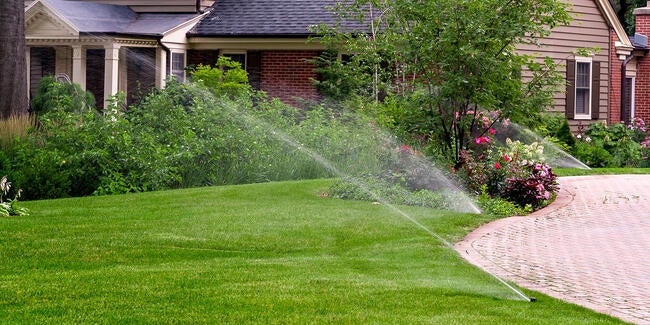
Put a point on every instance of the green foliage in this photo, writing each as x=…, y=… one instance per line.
x=500, y=208
x=564, y=134
x=457, y=64
x=9, y=207
x=227, y=77
x=52, y=94
x=516, y=172
x=185, y=136
x=615, y=145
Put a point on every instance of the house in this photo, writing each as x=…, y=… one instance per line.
x=111, y=45
x=107, y=46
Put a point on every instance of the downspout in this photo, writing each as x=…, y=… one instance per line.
x=623, y=74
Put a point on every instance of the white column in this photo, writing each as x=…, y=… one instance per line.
x=79, y=66
x=111, y=72
x=161, y=67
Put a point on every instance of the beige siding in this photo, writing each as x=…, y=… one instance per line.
x=588, y=30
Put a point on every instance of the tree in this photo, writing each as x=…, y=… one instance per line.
x=625, y=12
x=451, y=65
x=13, y=68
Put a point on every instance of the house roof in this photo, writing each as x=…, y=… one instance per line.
x=88, y=17
x=268, y=18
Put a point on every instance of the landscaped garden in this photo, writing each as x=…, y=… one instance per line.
x=208, y=202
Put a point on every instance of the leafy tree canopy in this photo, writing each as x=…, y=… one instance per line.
x=450, y=65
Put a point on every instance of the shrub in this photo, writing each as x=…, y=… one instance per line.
x=615, y=145
x=227, y=77
x=69, y=97
x=516, y=172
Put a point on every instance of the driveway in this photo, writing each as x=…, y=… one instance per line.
x=590, y=247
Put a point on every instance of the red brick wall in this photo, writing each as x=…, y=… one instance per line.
x=642, y=94
x=288, y=76
x=614, y=81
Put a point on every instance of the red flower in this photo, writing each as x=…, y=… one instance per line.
x=507, y=158
x=492, y=131
x=497, y=166
x=482, y=140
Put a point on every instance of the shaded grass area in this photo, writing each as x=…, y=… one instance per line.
x=266, y=253
x=599, y=171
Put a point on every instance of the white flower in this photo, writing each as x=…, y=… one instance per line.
x=579, y=136
x=588, y=139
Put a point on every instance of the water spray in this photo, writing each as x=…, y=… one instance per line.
x=250, y=120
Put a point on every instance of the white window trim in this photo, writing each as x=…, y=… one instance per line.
x=171, y=63
x=586, y=116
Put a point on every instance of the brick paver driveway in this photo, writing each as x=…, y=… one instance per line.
x=590, y=247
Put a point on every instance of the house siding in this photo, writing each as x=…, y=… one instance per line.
x=588, y=30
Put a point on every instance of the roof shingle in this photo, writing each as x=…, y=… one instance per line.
x=266, y=18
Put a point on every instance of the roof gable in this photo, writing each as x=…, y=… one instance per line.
x=75, y=17
x=42, y=21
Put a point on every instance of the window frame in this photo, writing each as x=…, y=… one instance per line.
x=586, y=115
x=179, y=74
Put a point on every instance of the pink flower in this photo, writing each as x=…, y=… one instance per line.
x=507, y=158
x=492, y=131
x=480, y=140
x=497, y=166
x=405, y=148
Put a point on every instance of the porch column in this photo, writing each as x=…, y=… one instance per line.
x=79, y=66
x=111, y=72
x=161, y=67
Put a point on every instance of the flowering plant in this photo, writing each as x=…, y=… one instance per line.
x=8, y=206
x=516, y=172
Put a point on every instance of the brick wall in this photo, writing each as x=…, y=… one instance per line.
x=614, y=81
x=642, y=90
x=288, y=76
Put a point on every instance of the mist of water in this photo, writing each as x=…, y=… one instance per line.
x=554, y=155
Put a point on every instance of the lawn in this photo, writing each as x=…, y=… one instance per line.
x=265, y=253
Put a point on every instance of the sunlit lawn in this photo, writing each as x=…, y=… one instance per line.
x=266, y=253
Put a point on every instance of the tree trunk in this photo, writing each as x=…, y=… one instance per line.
x=13, y=69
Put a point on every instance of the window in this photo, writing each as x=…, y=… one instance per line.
x=236, y=57
x=583, y=89
x=178, y=66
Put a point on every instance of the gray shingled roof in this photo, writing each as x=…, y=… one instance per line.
x=88, y=17
x=266, y=18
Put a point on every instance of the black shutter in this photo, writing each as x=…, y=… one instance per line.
x=570, y=89
x=595, y=90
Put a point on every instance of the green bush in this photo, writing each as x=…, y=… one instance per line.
x=70, y=97
x=615, y=145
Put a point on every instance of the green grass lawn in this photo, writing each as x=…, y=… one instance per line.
x=265, y=253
